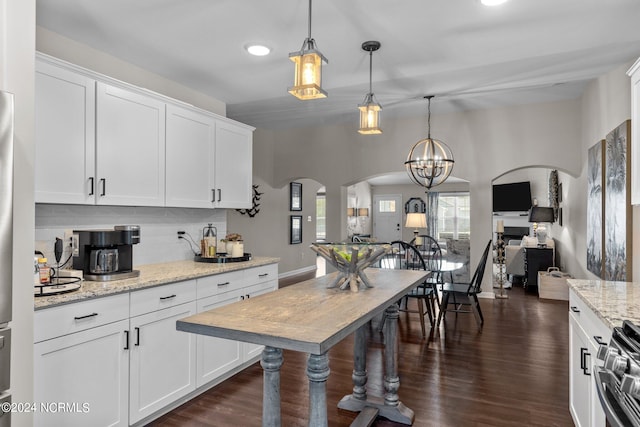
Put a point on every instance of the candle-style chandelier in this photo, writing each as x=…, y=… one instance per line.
x=430, y=161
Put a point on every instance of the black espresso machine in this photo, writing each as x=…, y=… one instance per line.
x=105, y=255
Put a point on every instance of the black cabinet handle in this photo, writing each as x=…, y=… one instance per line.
x=242, y=297
x=263, y=275
x=86, y=316
x=248, y=296
x=126, y=340
x=166, y=298
x=91, y=190
x=223, y=284
x=213, y=194
x=575, y=309
x=137, y=337
x=583, y=360
x=599, y=340
x=103, y=181
x=219, y=195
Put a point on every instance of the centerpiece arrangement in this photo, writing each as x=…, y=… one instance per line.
x=234, y=245
x=350, y=259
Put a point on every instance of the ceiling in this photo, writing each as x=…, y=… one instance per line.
x=468, y=55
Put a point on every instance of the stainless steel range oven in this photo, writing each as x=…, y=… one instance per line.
x=618, y=380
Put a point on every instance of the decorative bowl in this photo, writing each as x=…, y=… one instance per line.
x=350, y=259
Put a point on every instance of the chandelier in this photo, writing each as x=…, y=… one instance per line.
x=430, y=161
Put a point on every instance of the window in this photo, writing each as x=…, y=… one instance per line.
x=321, y=216
x=453, y=216
x=388, y=206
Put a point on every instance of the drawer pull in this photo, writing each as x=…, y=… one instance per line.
x=86, y=316
x=575, y=309
x=599, y=340
x=223, y=284
x=126, y=340
x=166, y=298
x=103, y=181
x=137, y=337
x=263, y=275
x=91, y=191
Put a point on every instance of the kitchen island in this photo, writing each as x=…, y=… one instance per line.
x=309, y=317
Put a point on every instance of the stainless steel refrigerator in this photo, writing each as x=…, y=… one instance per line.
x=6, y=248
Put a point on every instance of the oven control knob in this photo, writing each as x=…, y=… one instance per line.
x=630, y=385
x=616, y=363
x=604, y=351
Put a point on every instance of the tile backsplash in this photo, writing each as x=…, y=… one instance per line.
x=158, y=228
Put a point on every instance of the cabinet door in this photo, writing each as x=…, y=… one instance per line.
x=130, y=144
x=234, y=166
x=65, y=136
x=190, y=150
x=162, y=360
x=579, y=381
x=216, y=355
x=251, y=350
x=88, y=369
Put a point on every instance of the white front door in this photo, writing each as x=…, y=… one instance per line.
x=387, y=217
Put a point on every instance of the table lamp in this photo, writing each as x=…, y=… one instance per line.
x=416, y=220
x=539, y=216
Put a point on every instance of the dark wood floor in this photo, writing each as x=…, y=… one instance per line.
x=512, y=373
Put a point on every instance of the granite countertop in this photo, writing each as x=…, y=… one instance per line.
x=150, y=275
x=612, y=302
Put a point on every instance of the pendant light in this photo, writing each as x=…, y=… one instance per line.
x=308, y=61
x=369, y=109
x=430, y=161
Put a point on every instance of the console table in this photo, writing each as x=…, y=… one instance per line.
x=311, y=318
x=536, y=259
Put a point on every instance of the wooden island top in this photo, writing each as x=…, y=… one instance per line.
x=306, y=317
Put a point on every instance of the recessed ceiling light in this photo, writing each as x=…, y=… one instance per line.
x=492, y=2
x=257, y=49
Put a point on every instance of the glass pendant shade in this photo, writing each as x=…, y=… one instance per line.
x=307, y=82
x=430, y=161
x=369, y=116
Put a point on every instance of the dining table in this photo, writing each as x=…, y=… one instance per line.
x=311, y=317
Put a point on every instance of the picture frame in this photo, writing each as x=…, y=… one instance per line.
x=295, y=196
x=295, y=229
x=415, y=204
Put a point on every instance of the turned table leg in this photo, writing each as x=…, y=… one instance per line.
x=271, y=363
x=318, y=372
x=359, y=375
x=391, y=379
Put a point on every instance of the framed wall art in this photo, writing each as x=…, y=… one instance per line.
x=617, y=204
x=295, y=229
x=415, y=204
x=295, y=196
x=595, y=208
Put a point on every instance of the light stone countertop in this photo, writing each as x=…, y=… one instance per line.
x=150, y=275
x=612, y=302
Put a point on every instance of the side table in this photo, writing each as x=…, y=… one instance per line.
x=536, y=259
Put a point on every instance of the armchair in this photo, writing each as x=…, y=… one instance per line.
x=514, y=259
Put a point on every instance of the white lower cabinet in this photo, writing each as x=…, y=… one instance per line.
x=162, y=360
x=88, y=370
x=586, y=332
x=119, y=360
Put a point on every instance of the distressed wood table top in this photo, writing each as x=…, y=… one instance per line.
x=307, y=316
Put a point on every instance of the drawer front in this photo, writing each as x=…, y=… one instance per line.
x=220, y=283
x=261, y=274
x=590, y=322
x=160, y=297
x=67, y=319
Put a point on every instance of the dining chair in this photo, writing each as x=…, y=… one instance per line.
x=405, y=256
x=465, y=294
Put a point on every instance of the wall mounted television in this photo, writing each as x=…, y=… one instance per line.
x=512, y=197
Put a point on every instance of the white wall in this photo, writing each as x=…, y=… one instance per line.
x=485, y=143
x=17, y=51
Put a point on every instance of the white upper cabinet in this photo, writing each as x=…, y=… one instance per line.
x=65, y=135
x=233, y=167
x=100, y=141
x=190, y=158
x=634, y=73
x=130, y=141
